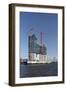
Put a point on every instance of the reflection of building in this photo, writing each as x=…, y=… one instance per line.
x=37, y=52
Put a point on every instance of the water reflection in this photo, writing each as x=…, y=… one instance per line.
x=36, y=70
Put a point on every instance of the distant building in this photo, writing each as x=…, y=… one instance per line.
x=37, y=52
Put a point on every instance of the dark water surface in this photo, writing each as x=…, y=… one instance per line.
x=37, y=70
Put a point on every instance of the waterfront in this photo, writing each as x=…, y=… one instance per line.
x=37, y=70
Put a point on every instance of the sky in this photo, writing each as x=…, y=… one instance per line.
x=40, y=22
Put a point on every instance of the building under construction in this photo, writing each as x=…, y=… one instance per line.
x=37, y=51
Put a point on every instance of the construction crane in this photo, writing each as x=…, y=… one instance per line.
x=31, y=31
x=41, y=38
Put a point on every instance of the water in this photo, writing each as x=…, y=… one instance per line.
x=37, y=70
